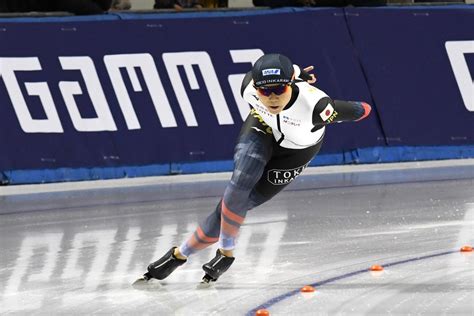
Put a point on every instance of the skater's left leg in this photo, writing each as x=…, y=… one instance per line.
x=246, y=192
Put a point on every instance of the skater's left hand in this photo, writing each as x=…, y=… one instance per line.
x=313, y=77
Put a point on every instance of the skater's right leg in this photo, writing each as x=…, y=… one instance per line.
x=177, y=256
x=163, y=267
x=205, y=235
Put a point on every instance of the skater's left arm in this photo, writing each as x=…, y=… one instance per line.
x=329, y=111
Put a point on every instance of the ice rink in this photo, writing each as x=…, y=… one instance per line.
x=76, y=248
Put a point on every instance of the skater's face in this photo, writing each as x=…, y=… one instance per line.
x=275, y=96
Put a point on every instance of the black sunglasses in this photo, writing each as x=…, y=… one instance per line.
x=277, y=90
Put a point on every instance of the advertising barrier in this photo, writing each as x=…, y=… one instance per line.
x=133, y=95
x=418, y=64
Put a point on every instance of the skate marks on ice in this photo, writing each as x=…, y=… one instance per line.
x=84, y=261
x=92, y=266
x=144, y=284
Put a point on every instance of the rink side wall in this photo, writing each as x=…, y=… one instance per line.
x=128, y=94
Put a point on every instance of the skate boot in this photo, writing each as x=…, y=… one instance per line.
x=216, y=267
x=164, y=266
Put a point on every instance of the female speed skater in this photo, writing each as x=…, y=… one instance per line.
x=281, y=135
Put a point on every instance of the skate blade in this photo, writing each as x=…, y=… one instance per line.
x=206, y=282
x=205, y=285
x=144, y=284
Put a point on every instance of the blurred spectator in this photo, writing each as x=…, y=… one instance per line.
x=121, y=5
x=78, y=7
x=23, y=5
x=344, y=3
x=82, y=7
x=283, y=3
x=438, y=1
x=177, y=4
x=322, y=3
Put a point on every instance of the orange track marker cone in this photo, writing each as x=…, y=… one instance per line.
x=262, y=312
x=307, y=289
x=376, y=267
x=466, y=249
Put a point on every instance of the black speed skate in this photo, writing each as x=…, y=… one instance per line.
x=161, y=268
x=216, y=267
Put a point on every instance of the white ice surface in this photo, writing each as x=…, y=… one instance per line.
x=77, y=251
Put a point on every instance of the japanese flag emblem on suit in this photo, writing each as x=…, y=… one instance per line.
x=327, y=112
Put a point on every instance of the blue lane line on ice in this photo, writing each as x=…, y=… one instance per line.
x=284, y=296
